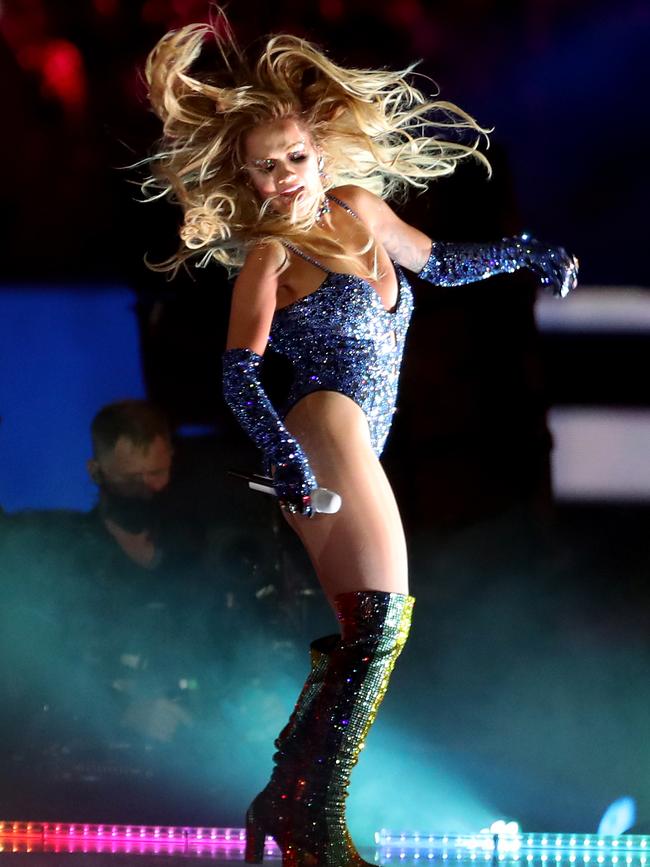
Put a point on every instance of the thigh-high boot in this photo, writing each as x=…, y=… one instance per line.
x=314, y=761
x=272, y=799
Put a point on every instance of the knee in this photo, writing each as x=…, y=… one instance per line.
x=374, y=621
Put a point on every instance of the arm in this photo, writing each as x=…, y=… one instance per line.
x=452, y=264
x=446, y=263
x=253, y=305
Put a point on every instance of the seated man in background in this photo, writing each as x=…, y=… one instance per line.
x=119, y=625
x=132, y=467
x=120, y=598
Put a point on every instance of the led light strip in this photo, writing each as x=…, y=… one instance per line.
x=627, y=848
x=388, y=854
x=80, y=834
x=412, y=845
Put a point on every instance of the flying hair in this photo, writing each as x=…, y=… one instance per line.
x=373, y=127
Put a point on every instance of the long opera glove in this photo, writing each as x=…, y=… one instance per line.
x=245, y=395
x=454, y=264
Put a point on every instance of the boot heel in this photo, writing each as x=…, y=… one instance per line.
x=255, y=837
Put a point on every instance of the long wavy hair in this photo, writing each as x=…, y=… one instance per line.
x=373, y=127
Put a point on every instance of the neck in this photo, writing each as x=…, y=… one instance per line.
x=138, y=547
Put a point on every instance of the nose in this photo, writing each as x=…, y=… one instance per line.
x=286, y=176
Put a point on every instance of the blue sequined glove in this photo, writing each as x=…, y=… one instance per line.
x=451, y=264
x=293, y=479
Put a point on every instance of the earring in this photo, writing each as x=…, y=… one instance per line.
x=324, y=177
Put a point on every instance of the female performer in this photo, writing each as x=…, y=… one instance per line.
x=282, y=163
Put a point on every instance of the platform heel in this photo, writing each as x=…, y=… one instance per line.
x=266, y=815
x=255, y=839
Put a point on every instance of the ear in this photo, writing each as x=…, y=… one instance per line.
x=93, y=470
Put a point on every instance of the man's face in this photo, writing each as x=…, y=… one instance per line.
x=134, y=471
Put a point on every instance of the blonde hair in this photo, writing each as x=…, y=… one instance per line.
x=372, y=126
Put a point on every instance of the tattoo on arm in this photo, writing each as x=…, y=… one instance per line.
x=412, y=253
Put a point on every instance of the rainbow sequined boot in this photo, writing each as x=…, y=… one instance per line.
x=272, y=800
x=303, y=807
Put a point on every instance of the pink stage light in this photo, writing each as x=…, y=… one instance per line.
x=133, y=839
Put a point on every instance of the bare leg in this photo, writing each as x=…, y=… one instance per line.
x=360, y=557
x=362, y=547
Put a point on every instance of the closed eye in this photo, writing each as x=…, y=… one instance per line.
x=265, y=166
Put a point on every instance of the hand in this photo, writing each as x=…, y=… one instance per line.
x=293, y=489
x=557, y=271
x=297, y=507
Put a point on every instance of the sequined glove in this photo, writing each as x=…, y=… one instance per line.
x=451, y=264
x=293, y=479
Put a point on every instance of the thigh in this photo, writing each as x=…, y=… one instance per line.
x=362, y=547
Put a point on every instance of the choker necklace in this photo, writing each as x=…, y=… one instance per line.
x=323, y=209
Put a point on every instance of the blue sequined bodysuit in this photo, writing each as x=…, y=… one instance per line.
x=341, y=338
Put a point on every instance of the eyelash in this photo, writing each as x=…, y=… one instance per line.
x=294, y=158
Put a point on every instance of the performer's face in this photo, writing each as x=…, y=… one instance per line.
x=282, y=164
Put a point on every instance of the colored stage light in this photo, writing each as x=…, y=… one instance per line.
x=136, y=839
x=534, y=849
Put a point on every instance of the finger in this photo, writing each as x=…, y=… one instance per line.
x=288, y=506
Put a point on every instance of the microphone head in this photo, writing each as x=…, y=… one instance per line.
x=325, y=502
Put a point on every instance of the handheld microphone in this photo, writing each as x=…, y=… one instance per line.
x=323, y=501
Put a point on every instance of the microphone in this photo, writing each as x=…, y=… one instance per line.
x=323, y=501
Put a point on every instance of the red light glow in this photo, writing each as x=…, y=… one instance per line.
x=107, y=8
x=63, y=73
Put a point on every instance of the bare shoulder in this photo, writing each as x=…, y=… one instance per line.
x=364, y=203
x=259, y=276
x=404, y=243
x=263, y=261
x=254, y=298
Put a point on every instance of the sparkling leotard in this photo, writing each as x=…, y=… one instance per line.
x=341, y=338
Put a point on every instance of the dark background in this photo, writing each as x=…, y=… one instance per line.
x=523, y=691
